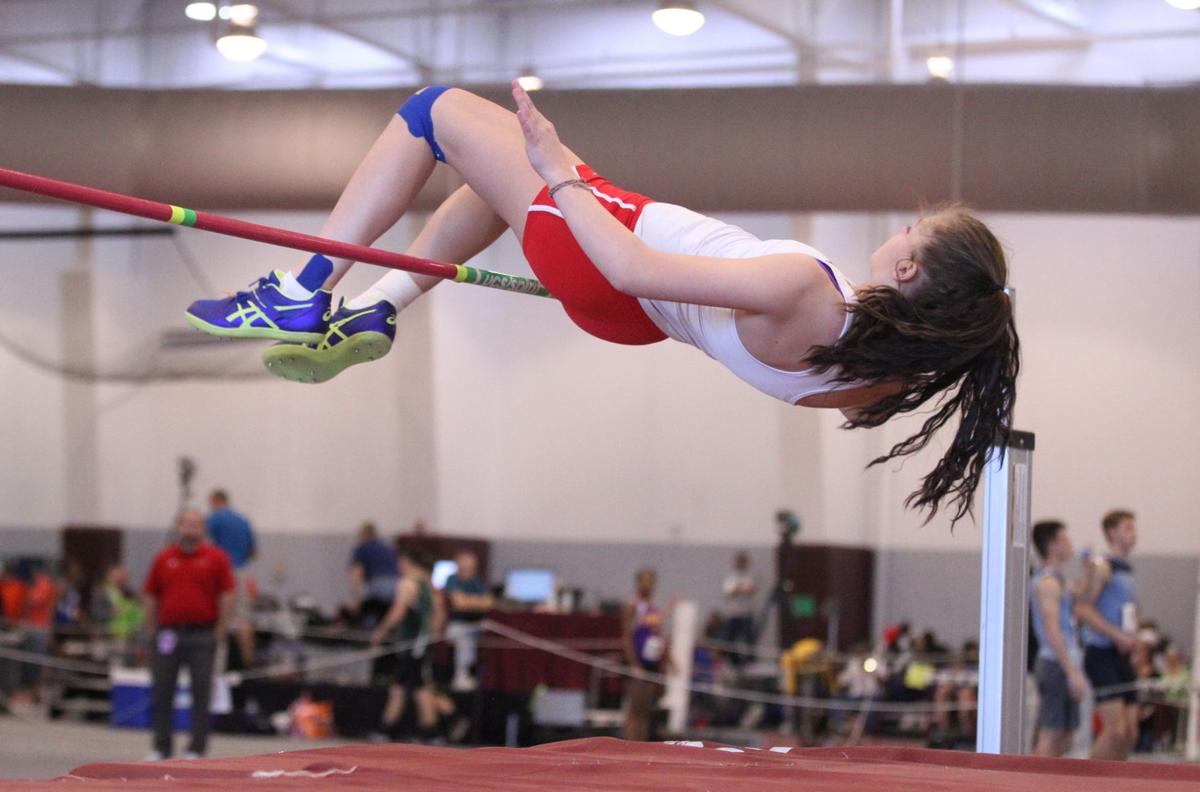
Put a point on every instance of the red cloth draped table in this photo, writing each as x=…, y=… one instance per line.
x=509, y=667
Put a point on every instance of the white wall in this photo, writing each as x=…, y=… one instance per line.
x=495, y=416
x=1110, y=313
x=32, y=447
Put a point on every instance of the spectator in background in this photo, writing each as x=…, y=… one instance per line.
x=740, y=590
x=419, y=615
x=958, y=683
x=373, y=576
x=12, y=593
x=707, y=667
x=858, y=681
x=12, y=605
x=1176, y=679
x=1060, y=680
x=1143, y=668
x=189, y=594
x=468, y=600
x=230, y=531
x=913, y=675
x=1108, y=610
x=118, y=608
x=896, y=639
x=37, y=624
x=647, y=649
x=69, y=610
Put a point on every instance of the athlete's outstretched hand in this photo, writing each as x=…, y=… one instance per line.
x=545, y=150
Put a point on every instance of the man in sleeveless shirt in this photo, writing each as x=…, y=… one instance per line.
x=1108, y=610
x=1060, y=681
x=418, y=616
x=647, y=648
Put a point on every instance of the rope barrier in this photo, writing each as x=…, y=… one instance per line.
x=559, y=649
x=219, y=224
x=714, y=689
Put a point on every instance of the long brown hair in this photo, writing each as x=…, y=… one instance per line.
x=951, y=333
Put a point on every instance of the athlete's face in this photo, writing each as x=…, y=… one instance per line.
x=1062, y=548
x=1124, y=536
x=893, y=263
x=646, y=581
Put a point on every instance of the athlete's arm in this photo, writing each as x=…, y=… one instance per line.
x=775, y=285
x=404, y=597
x=627, y=635
x=1049, y=592
x=357, y=584
x=439, y=615
x=1085, y=606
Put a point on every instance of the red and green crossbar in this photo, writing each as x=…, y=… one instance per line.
x=169, y=213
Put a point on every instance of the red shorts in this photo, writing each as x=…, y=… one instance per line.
x=563, y=268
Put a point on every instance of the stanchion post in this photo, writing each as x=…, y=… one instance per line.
x=1004, y=600
x=684, y=624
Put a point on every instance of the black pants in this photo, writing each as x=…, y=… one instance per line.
x=739, y=630
x=193, y=647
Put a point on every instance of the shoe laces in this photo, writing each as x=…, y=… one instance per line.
x=244, y=296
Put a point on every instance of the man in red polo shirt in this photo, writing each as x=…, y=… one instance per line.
x=189, y=592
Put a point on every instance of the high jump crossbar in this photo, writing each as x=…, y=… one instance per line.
x=178, y=215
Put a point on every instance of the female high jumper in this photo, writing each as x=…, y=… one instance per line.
x=932, y=320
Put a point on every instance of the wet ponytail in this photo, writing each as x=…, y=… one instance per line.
x=951, y=339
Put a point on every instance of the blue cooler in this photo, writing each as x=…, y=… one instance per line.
x=131, y=707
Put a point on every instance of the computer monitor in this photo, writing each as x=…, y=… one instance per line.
x=442, y=570
x=530, y=585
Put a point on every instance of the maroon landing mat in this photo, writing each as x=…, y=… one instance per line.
x=610, y=764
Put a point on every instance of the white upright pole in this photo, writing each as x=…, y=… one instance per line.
x=1004, y=602
x=683, y=643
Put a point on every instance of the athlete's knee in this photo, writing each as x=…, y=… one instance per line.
x=417, y=113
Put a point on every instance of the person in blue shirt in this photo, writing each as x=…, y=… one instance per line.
x=1060, y=681
x=1108, y=611
x=230, y=531
x=467, y=595
x=373, y=576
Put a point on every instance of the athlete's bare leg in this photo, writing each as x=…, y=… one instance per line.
x=1115, y=730
x=481, y=140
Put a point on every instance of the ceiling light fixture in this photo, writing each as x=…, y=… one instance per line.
x=241, y=43
x=201, y=12
x=241, y=13
x=940, y=67
x=1184, y=5
x=678, y=18
x=530, y=81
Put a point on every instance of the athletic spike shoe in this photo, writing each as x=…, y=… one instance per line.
x=354, y=336
x=264, y=312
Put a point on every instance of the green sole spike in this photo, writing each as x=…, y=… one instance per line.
x=308, y=365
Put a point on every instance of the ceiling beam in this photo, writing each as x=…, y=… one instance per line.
x=797, y=40
x=41, y=63
x=804, y=45
x=324, y=22
x=1051, y=11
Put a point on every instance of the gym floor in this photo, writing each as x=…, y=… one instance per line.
x=33, y=747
